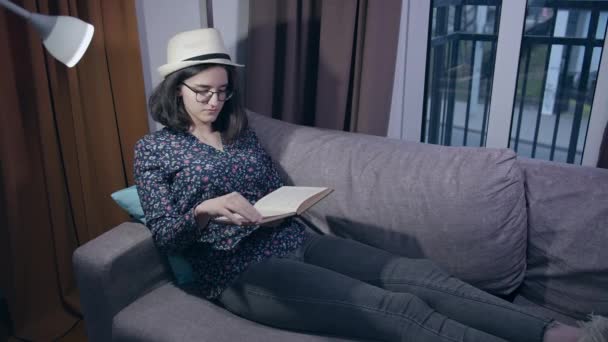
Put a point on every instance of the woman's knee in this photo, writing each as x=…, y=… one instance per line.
x=415, y=270
x=430, y=265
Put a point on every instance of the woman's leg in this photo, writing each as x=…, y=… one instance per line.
x=293, y=295
x=421, y=277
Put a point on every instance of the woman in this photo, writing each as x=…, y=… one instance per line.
x=207, y=162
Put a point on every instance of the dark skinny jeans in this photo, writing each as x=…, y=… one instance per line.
x=335, y=286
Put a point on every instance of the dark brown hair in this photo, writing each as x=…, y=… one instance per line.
x=167, y=107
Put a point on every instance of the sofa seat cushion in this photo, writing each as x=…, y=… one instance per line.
x=169, y=314
x=462, y=207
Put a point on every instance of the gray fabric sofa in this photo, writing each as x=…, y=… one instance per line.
x=531, y=231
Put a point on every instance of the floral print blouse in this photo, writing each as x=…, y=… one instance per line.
x=175, y=171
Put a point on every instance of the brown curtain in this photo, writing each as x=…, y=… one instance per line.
x=323, y=63
x=603, y=158
x=67, y=138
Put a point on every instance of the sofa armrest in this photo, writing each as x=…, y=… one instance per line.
x=567, y=267
x=112, y=271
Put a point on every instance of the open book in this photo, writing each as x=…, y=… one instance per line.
x=286, y=201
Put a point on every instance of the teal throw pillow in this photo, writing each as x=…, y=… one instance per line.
x=129, y=200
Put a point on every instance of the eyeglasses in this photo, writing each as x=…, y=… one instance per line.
x=204, y=96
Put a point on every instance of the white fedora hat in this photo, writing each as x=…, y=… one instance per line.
x=202, y=46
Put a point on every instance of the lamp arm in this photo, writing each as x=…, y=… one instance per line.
x=16, y=9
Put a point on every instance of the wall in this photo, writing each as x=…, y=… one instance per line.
x=157, y=22
x=231, y=17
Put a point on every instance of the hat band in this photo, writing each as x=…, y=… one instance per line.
x=208, y=56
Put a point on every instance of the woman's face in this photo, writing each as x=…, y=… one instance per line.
x=204, y=110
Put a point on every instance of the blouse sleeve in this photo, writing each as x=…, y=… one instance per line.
x=172, y=231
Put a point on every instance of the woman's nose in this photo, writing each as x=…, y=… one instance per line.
x=213, y=101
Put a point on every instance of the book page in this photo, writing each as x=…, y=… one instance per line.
x=313, y=200
x=270, y=212
x=268, y=217
x=286, y=199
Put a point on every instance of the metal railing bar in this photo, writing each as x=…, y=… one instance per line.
x=542, y=98
x=470, y=88
x=443, y=3
x=523, y=94
x=524, y=141
x=569, y=4
x=444, y=93
x=486, y=105
x=454, y=49
x=436, y=91
x=592, y=42
x=580, y=100
x=534, y=39
x=542, y=89
x=438, y=40
x=561, y=85
x=486, y=109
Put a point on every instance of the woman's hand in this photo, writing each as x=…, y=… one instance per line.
x=233, y=206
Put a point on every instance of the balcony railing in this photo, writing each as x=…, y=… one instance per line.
x=559, y=61
x=462, y=50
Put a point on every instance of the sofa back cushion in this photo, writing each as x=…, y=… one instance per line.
x=568, y=237
x=464, y=208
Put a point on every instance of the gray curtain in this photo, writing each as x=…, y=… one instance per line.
x=328, y=64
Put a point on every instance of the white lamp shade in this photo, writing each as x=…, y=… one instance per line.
x=69, y=39
x=65, y=38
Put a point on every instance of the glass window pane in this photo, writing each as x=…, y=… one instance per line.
x=572, y=23
x=538, y=20
x=460, y=68
x=541, y=21
x=558, y=69
x=433, y=21
x=470, y=22
x=601, y=27
x=451, y=19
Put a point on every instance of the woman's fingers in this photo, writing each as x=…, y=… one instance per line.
x=250, y=212
x=238, y=204
x=236, y=219
x=244, y=211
